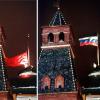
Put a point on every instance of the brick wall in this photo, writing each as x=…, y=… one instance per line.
x=5, y=96
x=59, y=96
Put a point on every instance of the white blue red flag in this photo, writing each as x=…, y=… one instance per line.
x=92, y=40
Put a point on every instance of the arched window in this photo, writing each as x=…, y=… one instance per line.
x=50, y=37
x=45, y=82
x=61, y=36
x=59, y=82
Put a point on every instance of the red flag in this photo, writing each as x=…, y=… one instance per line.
x=18, y=60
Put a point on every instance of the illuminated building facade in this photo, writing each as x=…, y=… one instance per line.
x=56, y=67
x=4, y=93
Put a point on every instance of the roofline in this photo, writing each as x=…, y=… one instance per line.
x=55, y=46
x=55, y=26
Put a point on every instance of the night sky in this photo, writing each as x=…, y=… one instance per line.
x=84, y=17
x=18, y=18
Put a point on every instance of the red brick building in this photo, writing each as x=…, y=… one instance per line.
x=56, y=67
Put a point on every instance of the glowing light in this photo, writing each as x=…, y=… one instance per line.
x=26, y=87
x=58, y=8
x=94, y=74
x=27, y=74
x=53, y=46
x=94, y=65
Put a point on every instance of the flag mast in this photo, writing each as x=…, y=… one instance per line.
x=98, y=49
x=27, y=72
x=28, y=51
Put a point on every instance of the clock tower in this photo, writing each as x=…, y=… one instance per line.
x=56, y=69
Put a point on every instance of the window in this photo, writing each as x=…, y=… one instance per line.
x=59, y=82
x=61, y=36
x=50, y=37
x=45, y=82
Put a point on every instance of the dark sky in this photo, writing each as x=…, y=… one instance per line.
x=84, y=17
x=18, y=18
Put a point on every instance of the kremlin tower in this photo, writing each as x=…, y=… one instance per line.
x=56, y=68
x=4, y=94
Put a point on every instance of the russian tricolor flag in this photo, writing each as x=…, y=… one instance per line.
x=93, y=40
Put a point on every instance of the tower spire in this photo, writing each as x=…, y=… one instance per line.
x=58, y=4
x=2, y=36
x=3, y=79
x=58, y=18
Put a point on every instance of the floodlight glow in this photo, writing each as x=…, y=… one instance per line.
x=94, y=74
x=27, y=74
x=94, y=65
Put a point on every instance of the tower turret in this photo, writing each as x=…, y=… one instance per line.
x=56, y=67
x=4, y=93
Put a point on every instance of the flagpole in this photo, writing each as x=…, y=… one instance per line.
x=98, y=50
x=28, y=51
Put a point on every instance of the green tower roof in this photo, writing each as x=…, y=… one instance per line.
x=57, y=19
